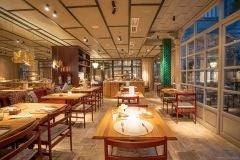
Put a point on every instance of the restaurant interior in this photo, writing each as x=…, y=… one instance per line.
x=120, y=79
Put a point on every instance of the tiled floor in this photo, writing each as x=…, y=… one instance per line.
x=194, y=141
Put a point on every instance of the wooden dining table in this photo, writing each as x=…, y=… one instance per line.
x=84, y=89
x=126, y=94
x=65, y=96
x=32, y=111
x=106, y=129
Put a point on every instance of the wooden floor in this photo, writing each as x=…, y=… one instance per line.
x=195, y=142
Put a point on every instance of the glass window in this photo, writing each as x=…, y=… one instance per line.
x=199, y=76
x=183, y=64
x=232, y=79
x=212, y=38
x=232, y=103
x=183, y=51
x=199, y=61
x=212, y=59
x=190, y=62
x=231, y=6
x=183, y=77
x=199, y=44
x=208, y=19
x=188, y=33
x=233, y=32
x=232, y=55
x=190, y=77
x=212, y=78
x=200, y=95
x=190, y=47
x=211, y=98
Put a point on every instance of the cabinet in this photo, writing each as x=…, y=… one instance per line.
x=74, y=60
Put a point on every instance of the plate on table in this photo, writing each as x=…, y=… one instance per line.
x=4, y=129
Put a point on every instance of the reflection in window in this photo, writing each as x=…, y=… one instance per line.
x=212, y=78
x=183, y=51
x=199, y=61
x=212, y=38
x=199, y=76
x=188, y=33
x=183, y=64
x=212, y=59
x=183, y=77
x=232, y=79
x=232, y=104
x=200, y=95
x=232, y=55
x=211, y=98
x=231, y=6
x=190, y=62
x=208, y=19
x=190, y=47
x=199, y=44
x=190, y=77
x=233, y=32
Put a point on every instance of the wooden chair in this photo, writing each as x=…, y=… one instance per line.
x=185, y=103
x=135, y=150
x=57, y=127
x=22, y=152
x=167, y=98
x=128, y=99
x=83, y=107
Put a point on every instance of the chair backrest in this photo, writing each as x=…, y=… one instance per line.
x=33, y=134
x=135, y=145
x=128, y=99
x=186, y=97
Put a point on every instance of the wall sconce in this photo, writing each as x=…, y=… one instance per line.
x=95, y=65
x=57, y=64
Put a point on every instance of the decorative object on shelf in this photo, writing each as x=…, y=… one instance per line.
x=57, y=64
x=25, y=57
x=95, y=65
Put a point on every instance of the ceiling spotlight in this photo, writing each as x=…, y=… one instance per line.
x=85, y=39
x=17, y=41
x=119, y=38
x=54, y=14
x=114, y=8
x=148, y=50
x=47, y=7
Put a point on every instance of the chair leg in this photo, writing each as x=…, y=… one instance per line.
x=84, y=121
x=92, y=113
x=177, y=116
x=50, y=152
x=167, y=107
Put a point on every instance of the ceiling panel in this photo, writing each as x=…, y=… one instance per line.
x=107, y=43
x=136, y=43
x=70, y=3
x=43, y=23
x=146, y=49
x=63, y=15
x=154, y=52
x=77, y=43
x=146, y=1
x=119, y=31
x=14, y=4
x=92, y=20
x=44, y=43
x=120, y=17
x=80, y=33
x=122, y=49
x=146, y=15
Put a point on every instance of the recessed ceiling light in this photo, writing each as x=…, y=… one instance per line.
x=95, y=26
x=47, y=7
x=54, y=14
x=119, y=38
x=85, y=39
x=17, y=41
x=148, y=50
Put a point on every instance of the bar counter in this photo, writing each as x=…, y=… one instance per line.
x=110, y=88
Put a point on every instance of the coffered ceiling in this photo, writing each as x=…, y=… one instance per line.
x=104, y=28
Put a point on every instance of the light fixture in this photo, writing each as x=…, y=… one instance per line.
x=17, y=41
x=148, y=50
x=54, y=14
x=119, y=38
x=85, y=39
x=213, y=64
x=24, y=57
x=95, y=65
x=47, y=7
x=57, y=64
x=95, y=27
x=114, y=8
x=134, y=24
